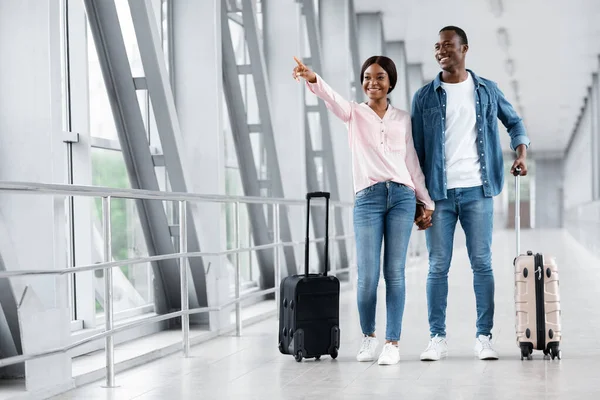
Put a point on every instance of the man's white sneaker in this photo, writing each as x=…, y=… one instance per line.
x=436, y=350
x=483, y=348
x=367, y=349
x=390, y=355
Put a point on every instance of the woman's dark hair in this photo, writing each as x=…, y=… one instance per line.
x=384, y=62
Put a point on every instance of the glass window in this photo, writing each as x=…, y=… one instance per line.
x=132, y=284
x=102, y=123
x=248, y=261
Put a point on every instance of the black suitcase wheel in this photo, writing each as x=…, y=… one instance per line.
x=526, y=352
x=298, y=356
x=317, y=358
x=334, y=354
x=555, y=353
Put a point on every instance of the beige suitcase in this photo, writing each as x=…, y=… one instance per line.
x=537, y=298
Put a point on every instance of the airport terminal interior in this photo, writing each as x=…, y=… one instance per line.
x=155, y=158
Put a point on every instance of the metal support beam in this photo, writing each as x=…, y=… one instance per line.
x=163, y=103
x=108, y=38
x=251, y=178
x=330, y=184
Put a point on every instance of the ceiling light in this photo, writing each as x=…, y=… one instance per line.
x=503, y=39
x=510, y=67
x=497, y=7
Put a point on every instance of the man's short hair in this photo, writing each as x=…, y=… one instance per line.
x=461, y=34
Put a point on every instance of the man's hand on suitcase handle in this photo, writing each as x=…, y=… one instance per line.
x=520, y=162
x=423, y=217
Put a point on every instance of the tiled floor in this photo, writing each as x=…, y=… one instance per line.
x=251, y=367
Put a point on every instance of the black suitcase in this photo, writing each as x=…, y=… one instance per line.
x=309, y=313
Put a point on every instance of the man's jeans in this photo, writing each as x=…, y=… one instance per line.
x=385, y=211
x=476, y=214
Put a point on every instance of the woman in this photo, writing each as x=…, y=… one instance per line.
x=386, y=175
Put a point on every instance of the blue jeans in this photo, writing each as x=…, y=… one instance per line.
x=476, y=215
x=384, y=211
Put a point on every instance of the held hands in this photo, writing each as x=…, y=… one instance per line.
x=423, y=217
x=302, y=71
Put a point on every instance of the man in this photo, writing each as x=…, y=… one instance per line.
x=455, y=130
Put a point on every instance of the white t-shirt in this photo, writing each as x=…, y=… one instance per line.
x=462, y=161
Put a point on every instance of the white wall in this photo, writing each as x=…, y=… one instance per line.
x=578, y=164
x=548, y=189
x=31, y=149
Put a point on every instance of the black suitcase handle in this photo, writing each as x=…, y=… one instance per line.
x=310, y=196
x=314, y=195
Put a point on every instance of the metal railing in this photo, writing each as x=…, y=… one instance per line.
x=106, y=194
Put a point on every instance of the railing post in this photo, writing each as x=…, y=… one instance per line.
x=238, y=280
x=185, y=305
x=277, y=255
x=109, y=349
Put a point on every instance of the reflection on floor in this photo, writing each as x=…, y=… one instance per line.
x=251, y=367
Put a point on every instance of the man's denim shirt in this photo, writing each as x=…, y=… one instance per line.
x=428, y=127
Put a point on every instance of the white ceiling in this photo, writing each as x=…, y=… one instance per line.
x=554, y=45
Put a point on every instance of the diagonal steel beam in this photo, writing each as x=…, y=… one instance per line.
x=165, y=115
x=108, y=38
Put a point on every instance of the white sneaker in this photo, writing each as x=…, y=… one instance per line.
x=390, y=355
x=436, y=350
x=367, y=349
x=483, y=348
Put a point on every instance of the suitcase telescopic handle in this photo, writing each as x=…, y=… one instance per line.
x=310, y=196
x=517, y=174
x=314, y=195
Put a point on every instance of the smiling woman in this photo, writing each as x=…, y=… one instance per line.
x=387, y=181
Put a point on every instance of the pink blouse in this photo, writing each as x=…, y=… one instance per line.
x=382, y=148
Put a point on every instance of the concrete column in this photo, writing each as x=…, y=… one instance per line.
x=595, y=142
x=400, y=97
x=336, y=60
x=371, y=41
x=337, y=71
x=596, y=150
x=415, y=79
x=548, y=185
x=198, y=89
x=32, y=149
x=282, y=41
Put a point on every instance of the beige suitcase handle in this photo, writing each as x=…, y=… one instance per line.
x=518, y=209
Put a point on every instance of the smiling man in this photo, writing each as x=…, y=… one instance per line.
x=455, y=130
